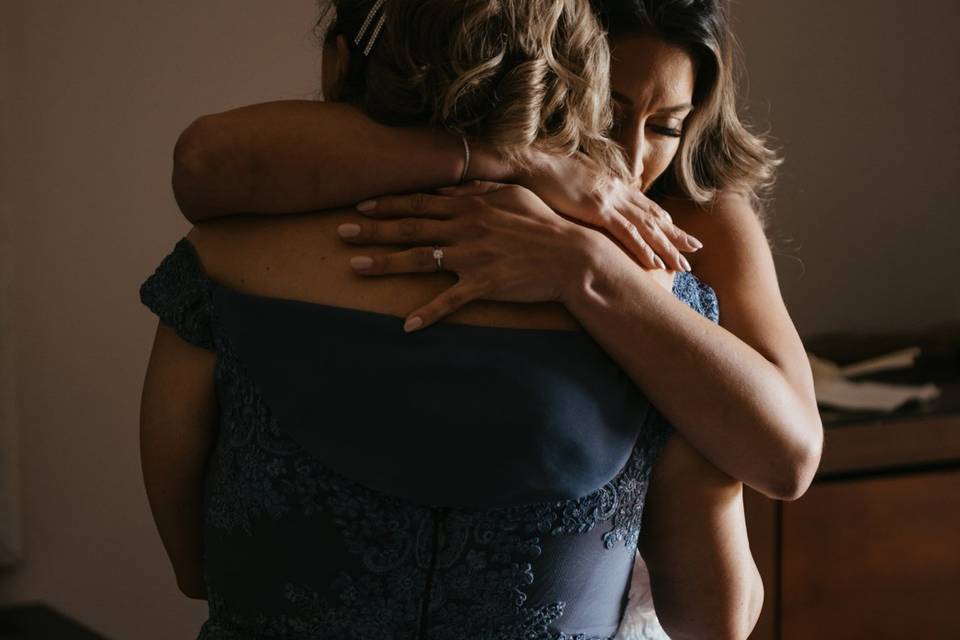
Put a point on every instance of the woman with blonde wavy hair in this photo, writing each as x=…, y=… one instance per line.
x=315, y=471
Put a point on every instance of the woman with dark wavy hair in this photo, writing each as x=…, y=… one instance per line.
x=483, y=476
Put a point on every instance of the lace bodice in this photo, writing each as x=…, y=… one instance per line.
x=459, y=482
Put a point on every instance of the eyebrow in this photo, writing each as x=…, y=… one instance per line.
x=686, y=106
x=616, y=95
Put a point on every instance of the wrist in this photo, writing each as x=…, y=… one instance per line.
x=531, y=165
x=604, y=277
x=194, y=587
x=588, y=278
x=486, y=163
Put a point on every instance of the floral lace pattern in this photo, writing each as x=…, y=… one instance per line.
x=698, y=295
x=480, y=566
x=179, y=293
x=417, y=567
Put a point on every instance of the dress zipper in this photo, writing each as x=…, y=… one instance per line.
x=440, y=514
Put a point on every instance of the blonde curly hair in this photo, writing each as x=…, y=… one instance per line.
x=511, y=73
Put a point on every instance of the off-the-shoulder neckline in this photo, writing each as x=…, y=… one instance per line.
x=389, y=317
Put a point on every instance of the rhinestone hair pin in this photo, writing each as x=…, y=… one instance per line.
x=376, y=29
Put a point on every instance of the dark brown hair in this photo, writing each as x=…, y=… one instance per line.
x=717, y=151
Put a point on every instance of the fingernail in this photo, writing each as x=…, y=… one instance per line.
x=412, y=324
x=693, y=242
x=686, y=265
x=348, y=230
x=361, y=262
x=367, y=205
x=659, y=262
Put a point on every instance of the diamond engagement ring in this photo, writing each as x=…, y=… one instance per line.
x=438, y=256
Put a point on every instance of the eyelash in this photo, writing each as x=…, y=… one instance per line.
x=665, y=131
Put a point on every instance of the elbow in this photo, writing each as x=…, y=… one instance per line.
x=193, y=587
x=741, y=623
x=799, y=476
x=192, y=161
x=732, y=630
x=736, y=623
x=796, y=472
x=192, y=149
x=196, y=145
x=754, y=606
x=194, y=593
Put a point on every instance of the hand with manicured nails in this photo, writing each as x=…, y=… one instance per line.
x=571, y=186
x=503, y=242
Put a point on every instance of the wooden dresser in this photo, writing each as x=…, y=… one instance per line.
x=872, y=551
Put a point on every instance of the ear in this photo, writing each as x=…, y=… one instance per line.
x=336, y=64
x=342, y=64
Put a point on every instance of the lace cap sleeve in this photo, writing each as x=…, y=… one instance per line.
x=179, y=293
x=698, y=295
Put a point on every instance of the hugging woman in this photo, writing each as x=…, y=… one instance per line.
x=321, y=466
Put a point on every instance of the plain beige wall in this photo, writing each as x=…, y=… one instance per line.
x=862, y=94
x=101, y=89
x=10, y=533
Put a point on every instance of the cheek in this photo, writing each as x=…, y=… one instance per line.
x=659, y=153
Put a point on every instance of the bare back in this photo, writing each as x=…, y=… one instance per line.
x=301, y=257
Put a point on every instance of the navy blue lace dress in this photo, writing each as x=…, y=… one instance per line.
x=462, y=482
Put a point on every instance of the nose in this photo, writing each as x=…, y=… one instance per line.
x=636, y=161
x=635, y=151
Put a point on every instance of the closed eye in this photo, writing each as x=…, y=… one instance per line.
x=666, y=131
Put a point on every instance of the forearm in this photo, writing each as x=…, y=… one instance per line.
x=732, y=404
x=178, y=417
x=718, y=595
x=174, y=487
x=703, y=578
x=298, y=155
x=731, y=614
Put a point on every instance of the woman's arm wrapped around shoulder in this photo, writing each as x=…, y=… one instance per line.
x=292, y=156
x=703, y=578
x=756, y=388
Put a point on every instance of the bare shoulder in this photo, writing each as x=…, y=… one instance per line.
x=301, y=257
x=263, y=255
x=727, y=223
x=228, y=247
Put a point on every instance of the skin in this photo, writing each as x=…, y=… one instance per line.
x=237, y=253
x=752, y=374
x=641, y=131
x=179, y=418
x=650, y=109
x=684, y=552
